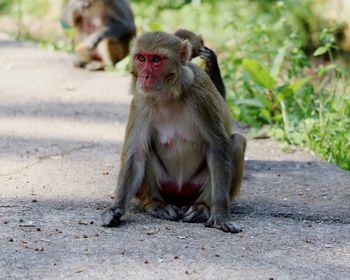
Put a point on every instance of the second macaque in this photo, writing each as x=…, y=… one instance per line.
x=103, y=31
x=208, y=55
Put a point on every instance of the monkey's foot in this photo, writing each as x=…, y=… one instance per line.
x=226, y=225
x=198, y=213
x=79, y=64
x=111, y=217
x=95, y=66
x=163, y=211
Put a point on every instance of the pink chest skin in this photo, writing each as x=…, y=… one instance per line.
x=170, y=141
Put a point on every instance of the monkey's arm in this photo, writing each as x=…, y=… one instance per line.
x=213, y=70
x=220, y=166
x=131, y=173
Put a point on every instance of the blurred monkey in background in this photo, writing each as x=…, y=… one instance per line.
x=103, y=31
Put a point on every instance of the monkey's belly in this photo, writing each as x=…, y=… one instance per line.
x=179, y=195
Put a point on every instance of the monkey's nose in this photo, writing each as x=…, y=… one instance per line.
x=145, y=77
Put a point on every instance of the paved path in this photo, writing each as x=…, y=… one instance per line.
x=61, y=131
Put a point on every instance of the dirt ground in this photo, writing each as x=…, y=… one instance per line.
x=61, y=131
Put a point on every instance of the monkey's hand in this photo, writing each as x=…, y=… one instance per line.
x=223, y=223
x=111, y=217
x=211, y=61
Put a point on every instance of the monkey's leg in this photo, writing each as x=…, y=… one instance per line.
x=95, y=65
x=88, y=58
x=83, y=55
x=111, y=51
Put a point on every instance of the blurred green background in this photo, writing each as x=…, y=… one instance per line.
x=285, y=63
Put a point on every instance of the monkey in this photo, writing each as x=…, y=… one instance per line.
x=103, y=31
x=208, y=55
x=180, y=159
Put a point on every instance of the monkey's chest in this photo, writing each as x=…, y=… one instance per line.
x=178, y=142
x=182, y=155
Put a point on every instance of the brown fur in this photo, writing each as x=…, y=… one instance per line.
x=195, y=40
x=188, y=104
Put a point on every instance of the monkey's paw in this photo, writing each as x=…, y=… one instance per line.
x=209, y=56
x=163, y=211
x=111, y=217
x=95, y=66
x=223, y=224
x=197, y=213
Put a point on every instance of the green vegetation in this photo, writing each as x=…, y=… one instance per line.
x=279, y=60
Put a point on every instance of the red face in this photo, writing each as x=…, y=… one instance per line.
x=150, y=67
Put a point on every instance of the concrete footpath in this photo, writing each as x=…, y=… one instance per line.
x=61, y=131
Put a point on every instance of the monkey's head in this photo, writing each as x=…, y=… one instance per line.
x=157, y=63
x=195, y=40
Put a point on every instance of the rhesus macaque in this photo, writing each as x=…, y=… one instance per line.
x=208, y=55
x=180, y=158
x=103, y=31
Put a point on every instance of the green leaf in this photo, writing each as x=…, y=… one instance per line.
x=277, y=63
x=295, y=86
x=258, y=74
x=266, y=114
x=250, y=102
x=321, y=50
x=264, y=100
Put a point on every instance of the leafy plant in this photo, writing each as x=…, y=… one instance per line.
x=278, y=61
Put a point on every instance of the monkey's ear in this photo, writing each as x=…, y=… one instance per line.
x=186, y=51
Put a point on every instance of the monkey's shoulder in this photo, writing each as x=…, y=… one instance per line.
x=206, y=99
x=202, y=83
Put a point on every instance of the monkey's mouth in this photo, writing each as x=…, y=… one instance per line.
x=150, y=88
x=147, y=88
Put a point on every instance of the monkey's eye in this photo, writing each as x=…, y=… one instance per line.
x=141, y=58
x=156, y=58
